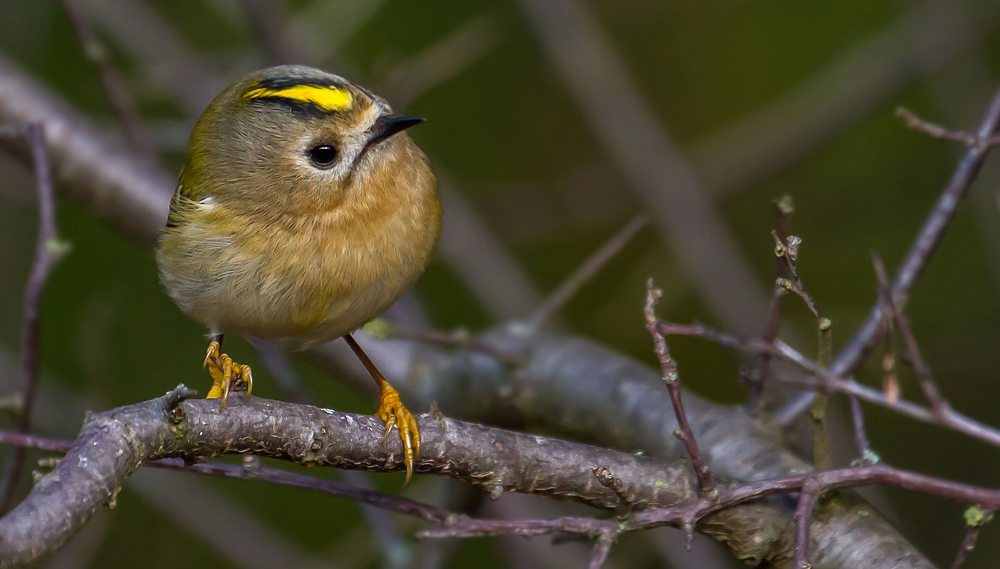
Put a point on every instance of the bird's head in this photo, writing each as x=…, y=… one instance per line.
x=293, y=140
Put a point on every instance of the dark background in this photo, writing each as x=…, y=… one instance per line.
x=760, y=98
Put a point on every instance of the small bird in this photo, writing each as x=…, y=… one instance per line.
x=303, y=211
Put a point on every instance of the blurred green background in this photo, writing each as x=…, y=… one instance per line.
x=759, y=99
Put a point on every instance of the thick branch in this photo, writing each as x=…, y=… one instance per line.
x=114, y=444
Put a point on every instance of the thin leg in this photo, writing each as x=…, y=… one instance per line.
x=224, y=372
x=391, y=410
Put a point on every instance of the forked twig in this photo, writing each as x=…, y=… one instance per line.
x=668, y=370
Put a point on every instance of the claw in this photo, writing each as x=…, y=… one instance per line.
x=247, y=377
x=224, y=372
x=212, y=354
x=392, y=411
x=389, y=424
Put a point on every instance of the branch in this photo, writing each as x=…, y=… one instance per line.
x=810, y=485
x=975, y=519
x=113, y=444
x=925, y=243
x=784, y=207
x=671, y=378
x=48, y=251
x=811, y=491
x=853, y=354
x=948, y=417
x=924, y=376
x=937, y=131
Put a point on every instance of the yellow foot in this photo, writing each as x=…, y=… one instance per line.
x=225, y=373
x=394, y=414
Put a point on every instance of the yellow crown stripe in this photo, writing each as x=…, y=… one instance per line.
x=324, y=97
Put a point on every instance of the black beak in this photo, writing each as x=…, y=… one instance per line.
x=389, y=125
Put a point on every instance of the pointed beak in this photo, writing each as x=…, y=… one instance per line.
x=389, y=125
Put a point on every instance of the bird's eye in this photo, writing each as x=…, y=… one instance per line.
x=323, y=156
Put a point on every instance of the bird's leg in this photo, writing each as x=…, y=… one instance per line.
x=225, y=372
x=391, y=410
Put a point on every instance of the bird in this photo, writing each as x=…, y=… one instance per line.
x=302, y=212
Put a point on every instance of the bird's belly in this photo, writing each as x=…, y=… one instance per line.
x=313, y=296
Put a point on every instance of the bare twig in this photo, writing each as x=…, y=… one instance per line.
x=890, y=380
x=18, y=439
x=948, y=418
x=474, y=527
x=787, y=249
x=585, y=272
x=867, y=455
x=810, y=485
x=968, y=544
x=937, y=131
x=916, y=360
x=783, y=209
x=914, y=357
x=925, y=243
x=601, y=550
x=822, y=453
x=118, y=95
x=803, y=516
x=668, y=369
x=48, y=251
x=367, y=496
x=975, y=519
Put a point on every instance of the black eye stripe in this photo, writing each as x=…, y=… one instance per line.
x=323, y=155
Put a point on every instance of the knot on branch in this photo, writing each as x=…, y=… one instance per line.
x=627, y=499
x=175, y=396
